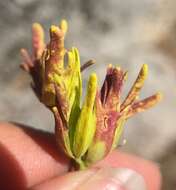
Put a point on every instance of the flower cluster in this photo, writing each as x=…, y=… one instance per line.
x=87, y=132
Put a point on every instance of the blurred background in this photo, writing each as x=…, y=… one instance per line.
x=126, y=33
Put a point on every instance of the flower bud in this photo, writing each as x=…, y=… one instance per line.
x=85, y=127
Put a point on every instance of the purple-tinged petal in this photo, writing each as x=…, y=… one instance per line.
x=111, y=89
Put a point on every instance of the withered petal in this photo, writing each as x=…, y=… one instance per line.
x=111, y=89
x=37, y=40
x=144, y=104
x=138, y=84
x=87, y=64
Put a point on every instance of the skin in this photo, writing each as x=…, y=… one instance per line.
x=29, y=159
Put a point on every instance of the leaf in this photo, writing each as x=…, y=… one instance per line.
x=61, y=133
x=85, y=127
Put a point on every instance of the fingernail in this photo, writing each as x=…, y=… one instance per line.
x=115, y=179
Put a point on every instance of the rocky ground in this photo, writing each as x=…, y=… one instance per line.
x=128, y=33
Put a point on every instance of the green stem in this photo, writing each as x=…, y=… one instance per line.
x=81, y=164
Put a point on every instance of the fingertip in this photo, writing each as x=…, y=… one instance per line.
x=148, y=169
x=31, y=154
x=96, y=178
x=69, y=181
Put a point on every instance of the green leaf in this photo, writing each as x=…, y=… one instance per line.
x=86, y=124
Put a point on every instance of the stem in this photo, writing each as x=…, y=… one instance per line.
x=81, y=164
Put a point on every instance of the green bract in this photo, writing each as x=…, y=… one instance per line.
x=87, y=132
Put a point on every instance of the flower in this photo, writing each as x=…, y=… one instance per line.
x=89, y=132
x=111, y=114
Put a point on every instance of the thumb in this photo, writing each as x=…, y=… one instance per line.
x=100, y=179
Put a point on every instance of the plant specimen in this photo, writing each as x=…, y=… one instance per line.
x=87, y=132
